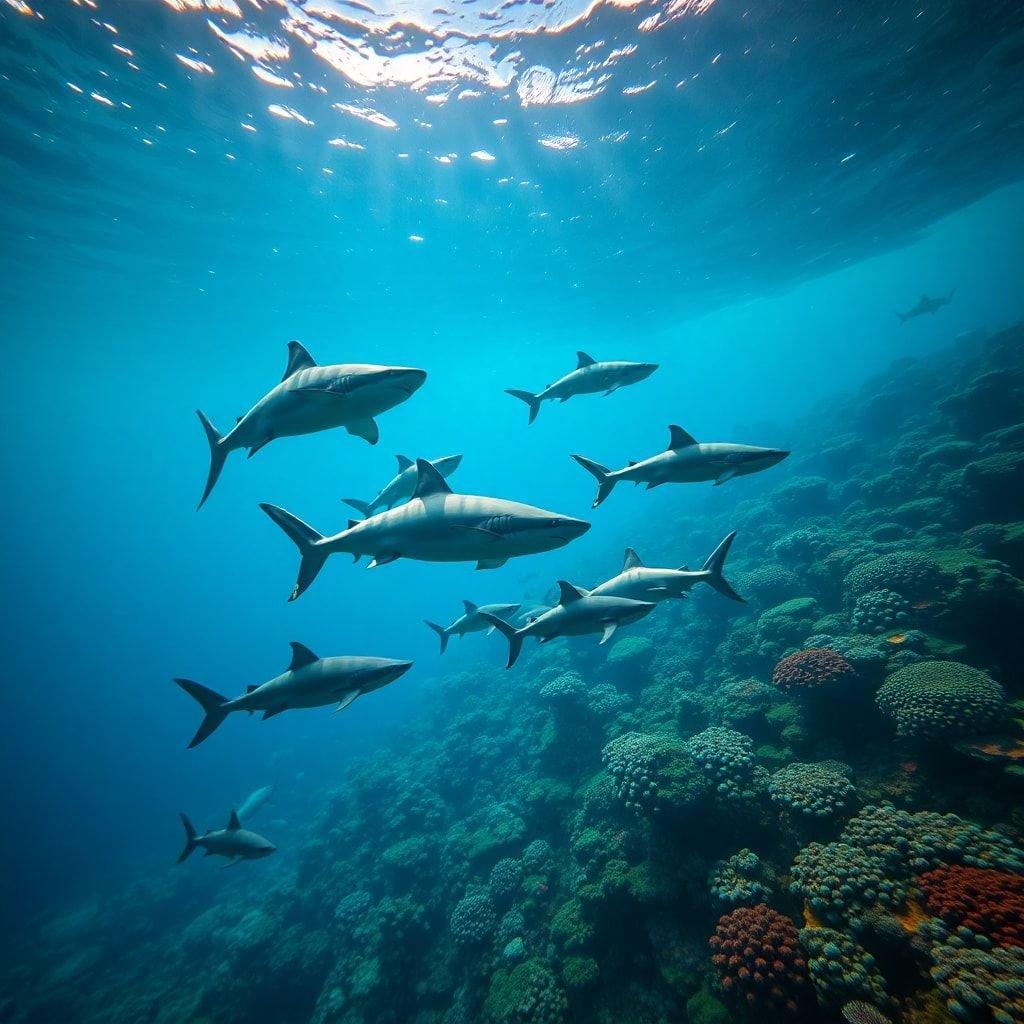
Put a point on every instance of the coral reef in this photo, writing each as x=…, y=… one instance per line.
x=810, y=670
x=975, y=902
x=816, y=790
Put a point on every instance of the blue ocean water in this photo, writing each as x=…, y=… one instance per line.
x=744, y=194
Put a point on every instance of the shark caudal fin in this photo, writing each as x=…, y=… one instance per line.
x=362, y=507
x=713, y=567
x=212, y=705
x=218, y=453
x=441, y=632
x=306, y=539
x=530, y=399
x=601, y=475
x=190, y=838
x=510, y=633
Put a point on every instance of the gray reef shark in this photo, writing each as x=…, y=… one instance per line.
x=925, y=305
x=576, y=614
x=685, y=461
x=399, y=489
x=472, y=621
x=589, y=378
x=255, y=802
x=308, y=682
x=311, y=398
x=234, y=842
x=436, y=525
x=643, y=583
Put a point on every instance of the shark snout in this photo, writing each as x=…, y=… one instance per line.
x=406, y=378
x=646, y=369
x=775, y=455
x=394, y=671
x=569, y=528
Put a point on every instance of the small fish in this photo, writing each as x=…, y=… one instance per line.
x=472, y=621
x=925, y=306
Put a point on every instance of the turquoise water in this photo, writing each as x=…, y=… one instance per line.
x=746, y=196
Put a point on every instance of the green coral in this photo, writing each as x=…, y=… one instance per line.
x=841, y=970
x=727, y=757
x=528, y=994
x=654, y=773
x=880, y=610
x=936, y=699
x=819, y=790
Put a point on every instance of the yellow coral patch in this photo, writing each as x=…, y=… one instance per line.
x=898, y=638
x=912, y=916
x=810, y=921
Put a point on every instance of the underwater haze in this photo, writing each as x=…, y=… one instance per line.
x=791, y=790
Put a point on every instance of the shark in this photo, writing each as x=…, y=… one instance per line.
x=311, y=398
x=590, y=377
x=576, y=614
x=435, y=525
x=685, y=460
x=255, y=802
x=308, y=682
x=472, y=621
x=925, y=305
x=233, y=841
x=400, y=487
x=644, y=583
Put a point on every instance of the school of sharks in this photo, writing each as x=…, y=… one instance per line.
x=418, y=515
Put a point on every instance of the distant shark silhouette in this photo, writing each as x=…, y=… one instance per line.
x=925, y=305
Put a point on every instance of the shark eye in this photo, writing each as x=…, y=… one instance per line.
x=556, y=522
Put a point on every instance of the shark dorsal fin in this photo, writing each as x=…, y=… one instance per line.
x=582, y=359
x=403, y=463
x=233, y=823
x=298, y=359
x=631, y=561
x=429, y=481
x=567, y=592
x=301, y=656
x=679, y=438
x=471, y=608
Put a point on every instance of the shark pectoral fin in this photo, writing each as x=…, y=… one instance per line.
x=608, y=632
x=356, y=556
x=651, y=484
x=231, y=863
x=491, y=563
x=256, y=447
x=491, y=630
x=345, y=701
x=366, y=429
x=610, y=391
x=546, y=639
x=270, y=714
x=727, y=474
x=391, y=556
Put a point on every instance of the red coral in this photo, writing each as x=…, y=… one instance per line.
x=757, y=953
x=807, y=670
x=987, y=901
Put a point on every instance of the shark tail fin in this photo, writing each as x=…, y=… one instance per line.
x=190, y=838
x=212, y=705
x=218, y=454
x=311, y=555
x=510, y=633
x=441, y=632
x=602, y=475
x=362, y=507
x=713, y=567
x=530, y=399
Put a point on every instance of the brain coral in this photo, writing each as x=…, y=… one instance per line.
x=906, y=572
x=742, y=879
x=840, y=968
x=935, y=699
x=808, y=670
x=472, y=919
x=757, y=954
x=977, y=901
x=816, y=790
x=727, y=757
x=505, y=877
x=973, y=980
x=880, y=610
x=653, y=773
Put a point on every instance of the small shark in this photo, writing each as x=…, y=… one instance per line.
x=311, y=398
x=308, y=682
x=925, y=305
x=533, y=612
x=685, y=461
x=436, y=525
x=400, y=487
x=255, y=802
x=233, y=842
x=589, y=378
x=472, y=621
x=576, y=614
x=642, y=583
